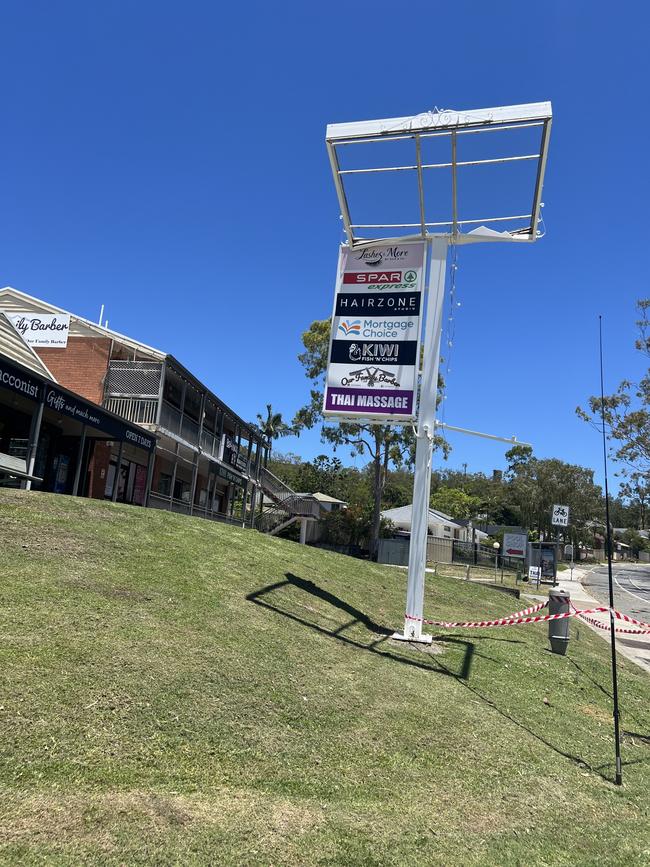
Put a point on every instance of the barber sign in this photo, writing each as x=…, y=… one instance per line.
x=42, y=329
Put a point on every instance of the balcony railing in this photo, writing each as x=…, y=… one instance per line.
x=159, y=501
x=143, y=410
x=210, y=443
x=135, y=410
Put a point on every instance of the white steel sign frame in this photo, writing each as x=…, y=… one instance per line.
x=519, y=227
x=449, y=124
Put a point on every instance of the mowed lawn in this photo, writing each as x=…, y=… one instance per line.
x=180, y=692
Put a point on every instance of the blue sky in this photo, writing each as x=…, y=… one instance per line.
x=168, y=160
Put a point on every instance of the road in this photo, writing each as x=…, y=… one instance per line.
x=631, y=588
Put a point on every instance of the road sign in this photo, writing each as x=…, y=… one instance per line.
x=560, y=516
x=533, y=573
x=514, y=544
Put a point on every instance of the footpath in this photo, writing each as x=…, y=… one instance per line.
x=634, y=647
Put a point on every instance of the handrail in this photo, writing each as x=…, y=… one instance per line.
x=285, y=501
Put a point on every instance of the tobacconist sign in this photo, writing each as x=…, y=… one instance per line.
x=375, y=342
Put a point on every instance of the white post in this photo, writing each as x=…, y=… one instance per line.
x=303, y=531
x=424, y=445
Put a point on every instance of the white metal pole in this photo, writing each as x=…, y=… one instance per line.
x=424, y=444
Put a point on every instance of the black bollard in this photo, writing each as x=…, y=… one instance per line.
x=558, y=630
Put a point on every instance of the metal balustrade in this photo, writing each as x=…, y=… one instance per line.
x=159, y=501
x=286, y=503
x=170, y=418
x=135, y=410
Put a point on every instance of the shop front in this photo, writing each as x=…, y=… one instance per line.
x=51, y=439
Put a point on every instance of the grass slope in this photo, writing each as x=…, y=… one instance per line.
x=176, y=691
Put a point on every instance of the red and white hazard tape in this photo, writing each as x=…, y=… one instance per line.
x=628, y=619
x=510, y=620
x=606, y=626
x=620, y=616
x=524, y=617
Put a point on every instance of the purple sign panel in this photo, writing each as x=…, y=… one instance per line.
x=375, y=338
x=365, y=400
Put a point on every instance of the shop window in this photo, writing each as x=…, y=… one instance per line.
x=182, y=490
x=165, y=485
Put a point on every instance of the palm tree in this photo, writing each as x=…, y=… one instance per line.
x=273, y=427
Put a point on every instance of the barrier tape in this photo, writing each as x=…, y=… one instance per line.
x=510, y=620
x=607, y=627
x=629, y=619
x=620, y=616
x=524, y=617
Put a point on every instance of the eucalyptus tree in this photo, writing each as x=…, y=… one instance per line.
x=385, y=445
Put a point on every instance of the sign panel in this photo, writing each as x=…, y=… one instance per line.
x=18, y=380
x=374, y=348
x=560, y=516
x=534, y=573
x=42, y=329
x=81, y=410
x=514, y=544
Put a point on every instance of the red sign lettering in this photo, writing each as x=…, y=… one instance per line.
x=375, y=277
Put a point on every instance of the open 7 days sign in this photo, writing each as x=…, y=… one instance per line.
x=375, y=341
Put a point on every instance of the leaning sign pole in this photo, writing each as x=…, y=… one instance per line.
x=424, y=445
x=369, y=392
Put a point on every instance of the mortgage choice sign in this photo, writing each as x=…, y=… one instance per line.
x=375, y=341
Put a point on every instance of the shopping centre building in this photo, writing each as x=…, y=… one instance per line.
x=87, y=411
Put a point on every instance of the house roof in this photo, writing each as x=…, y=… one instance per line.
x=15, y=348
x=402, y=516
x=324, y=498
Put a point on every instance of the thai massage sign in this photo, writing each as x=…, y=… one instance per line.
x=375, y=341
x=43, y=329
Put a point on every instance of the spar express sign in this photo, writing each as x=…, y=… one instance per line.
x=375, y=340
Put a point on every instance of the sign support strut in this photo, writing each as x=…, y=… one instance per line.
x=424, y=445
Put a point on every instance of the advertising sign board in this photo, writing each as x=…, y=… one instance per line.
x=42, y=329
x=514, y=544
x=374, y=348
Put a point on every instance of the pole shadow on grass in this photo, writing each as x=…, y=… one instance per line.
x=265, y=599
x=433, y=664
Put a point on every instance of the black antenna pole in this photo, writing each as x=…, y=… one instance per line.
x=617, y=734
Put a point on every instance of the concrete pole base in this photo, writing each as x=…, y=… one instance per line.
x=422, y=638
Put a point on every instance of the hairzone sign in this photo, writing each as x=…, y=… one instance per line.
x=375, y=340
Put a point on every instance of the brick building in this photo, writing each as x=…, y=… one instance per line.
x=55, y=440
x=208, y=460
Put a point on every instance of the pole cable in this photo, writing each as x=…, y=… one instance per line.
x=617, y=734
